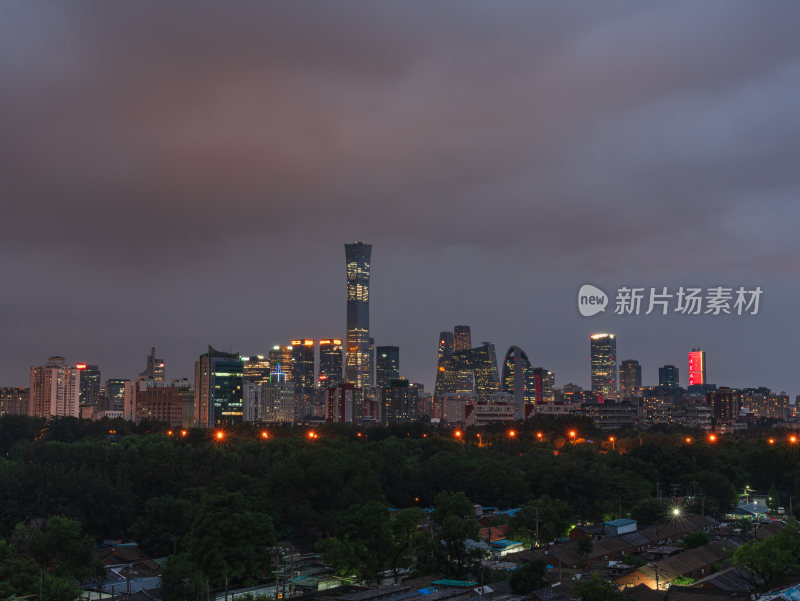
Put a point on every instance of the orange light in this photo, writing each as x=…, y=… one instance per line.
x=308, y=342
x=359, y=434
x=441, y=369
x=294, y=342
x=793, y=439
x=312, y=434
x=512, y=433
x=572, y=433
x=771, y=441
x=457, y=433
x=539, y=435
x=424, y=436
x=220, y=434
x=712, y=437
x=688, y=440
x=610, y=439
x=169, y=432
x=184, y=433
x=264, y=434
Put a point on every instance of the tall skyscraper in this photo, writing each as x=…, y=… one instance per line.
x=303, y=375
x=462, y=341
x=218, y=379
x=545, y=385
x=697, y=367
x=445, y=377
x=256, y=368
x=603, y=354
x=518, y=379
x=155, y=369
x=668, y=376
x=330, y=361
x=115, y=393
x=281, y=355
x=630, y=378
x=357, y=357
x=90, y=384
x=400, y=401
x=55, y=390
x=387, y=365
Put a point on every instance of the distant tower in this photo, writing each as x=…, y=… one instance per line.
x=90, y=384
x=668, y=376
x=697, y=367
x=387, y=365
x=281, y=355
x=630, y=378
x=55, y=390
x=518, y=379
x=604, y=365
x=303, y=375
x=330, y=362
x=357, y=357
x=155, y=369
x=462, y=341
x=445, y=377
x=218, y=382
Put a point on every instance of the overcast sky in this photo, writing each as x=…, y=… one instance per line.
x=181, y=174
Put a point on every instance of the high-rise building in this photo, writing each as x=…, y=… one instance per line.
x=387, y=365
x=271, y=401
x=90, y=384
x=281, y=355
x=545, y=382
x=115, y=393
x=445, y=376
x=668, y=376
x=630, y=378
x=518, y=379
x=155, y=369
x=462, y=341
x=218, y=379
x=697, y=367
x=344, y=403
x=55, y=390
x=14, y=401
x=723, y=406
x=303, y=375
x=357, y=342
x=162, y=404
x=256, y=368
x=481, y=362
x=330, y=361
x=400, y=401
x=604, y=365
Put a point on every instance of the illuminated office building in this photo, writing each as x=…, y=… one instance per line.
x=282, y=355
x=155, y=369
x=604, y=365
x=90, y=384
x=331, y=361
x=668, y=376
x=358, y=368
x=55, y=390
x=518, y=379
x=218, y=380
x=630, y=378
x=387, y=365
x=303, y=375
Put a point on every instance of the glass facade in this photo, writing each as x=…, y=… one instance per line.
x=604, y=365
x=358, y=367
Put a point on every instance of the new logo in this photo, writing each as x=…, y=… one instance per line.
x=591, y=300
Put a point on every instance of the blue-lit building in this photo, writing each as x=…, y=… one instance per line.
x=218, y=381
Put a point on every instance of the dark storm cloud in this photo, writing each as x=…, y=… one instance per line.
x=149, y=143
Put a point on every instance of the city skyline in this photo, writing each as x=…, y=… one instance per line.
x=497, y=157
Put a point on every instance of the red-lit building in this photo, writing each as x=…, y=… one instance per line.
x=697, y=367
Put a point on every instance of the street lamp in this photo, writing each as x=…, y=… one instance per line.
x=572, y=435
x=512, y=433
x=611, y=439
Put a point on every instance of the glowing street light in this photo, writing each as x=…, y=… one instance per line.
x=612, y=440
x=572, y=435
x=312, y=435
x=184, y=433
x=512, y=433
x=712, y=438
x=220, y=434
x=539, y=435
x=688, y=440
x=771, y=441
x=458, y=434
x=676, y=512
x=264, y=434
x=793, y=439
x=169, y=432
